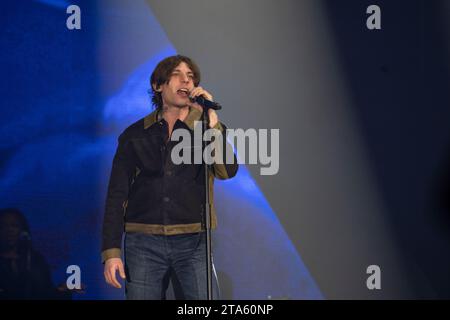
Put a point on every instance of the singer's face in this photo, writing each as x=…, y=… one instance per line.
x=176, y=92
x=10, y=229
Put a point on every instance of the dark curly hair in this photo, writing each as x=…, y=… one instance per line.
x=16, y=213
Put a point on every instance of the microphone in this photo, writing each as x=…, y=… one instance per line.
x=206, y=103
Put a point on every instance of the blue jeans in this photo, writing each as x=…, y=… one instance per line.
x=151, y=261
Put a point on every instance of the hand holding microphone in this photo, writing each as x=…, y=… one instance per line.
x=200, y=98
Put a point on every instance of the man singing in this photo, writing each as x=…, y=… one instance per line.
x=160, y=204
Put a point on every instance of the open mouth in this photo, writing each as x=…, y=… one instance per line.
x=183, y=92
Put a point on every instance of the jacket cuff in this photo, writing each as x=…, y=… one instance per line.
x=218, y=126
x=111, y=253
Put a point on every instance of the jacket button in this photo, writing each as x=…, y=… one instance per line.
x=166, y=199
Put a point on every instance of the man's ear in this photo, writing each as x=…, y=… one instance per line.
x=156, y=88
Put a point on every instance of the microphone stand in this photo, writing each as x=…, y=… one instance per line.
x=206, y=105
x=207, y=205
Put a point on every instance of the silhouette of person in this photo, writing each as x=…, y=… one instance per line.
x=24, y=272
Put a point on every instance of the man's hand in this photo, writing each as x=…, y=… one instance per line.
x=111, y=265
x=199, y=91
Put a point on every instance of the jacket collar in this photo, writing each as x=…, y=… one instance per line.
x=155, y=116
